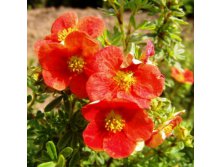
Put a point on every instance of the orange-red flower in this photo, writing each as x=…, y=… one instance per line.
x=65, y=66
x=116, y=127
x=138, y=82
x=68, y=22
x=185, y=76
x=163, y=132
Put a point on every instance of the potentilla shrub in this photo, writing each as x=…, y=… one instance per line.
x=107, y=92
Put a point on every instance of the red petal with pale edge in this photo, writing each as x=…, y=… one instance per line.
x=66, y=20
x=141, y=102
x=93, y=136
x=53, y=56
x=82, y=44
x=149, y=83
x=140, y=127
x=107, y=60
x=58, y=80
x=118, y=145
x=101, y=86
x=78, y=85
x=93, y=26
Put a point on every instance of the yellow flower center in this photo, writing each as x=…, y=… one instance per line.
x=124, y=80
x=76, y=64
x=64, y=33
x=114, y=122
x=168, y=129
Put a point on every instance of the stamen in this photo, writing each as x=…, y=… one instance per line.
x=114, y=122
x=64, y=33
x=76, y=64
x=124, y=80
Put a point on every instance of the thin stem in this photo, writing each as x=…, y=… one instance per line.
x=121, y=22
x=120, y=19
x=129, y=31
x=33, y=101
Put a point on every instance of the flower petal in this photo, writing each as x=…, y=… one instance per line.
x=141, y=102
x=149, y=83
x=65, y=21
x=98, y=110
x=140, y=127
x=156, y=139
x=93, y=26
x=93, y=136
x=81, y=44
x=39, y=43
x=177, y=75
x=149, y=51
x=100, y=86
x=188, y=75
x=52, y=37
x=92, y=111
x=58, y=80
x=53, y=56
x=118, y=145
x=107, y=60
x=78, y=85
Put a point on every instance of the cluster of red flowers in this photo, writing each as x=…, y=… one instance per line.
x=71, y=57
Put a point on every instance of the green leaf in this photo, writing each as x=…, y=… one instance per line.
x=47, y=164
x=132, y=21
x=180, y=145
x=176, y=37
x=75, y=160
x=66, y=152
x=180, y=21
x=53, y=104
x=64, y=140
x=61, y=161
x=51, y=150
x=146, y=25
x=178, y=14
x=100, y=160
x=29, y=98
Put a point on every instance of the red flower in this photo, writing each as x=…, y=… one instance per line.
x=65, y=66
x=164, y=132
x=149, y=51
x=116, y=127
x=68, y=22
x=185, y=76
x=138, y=82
